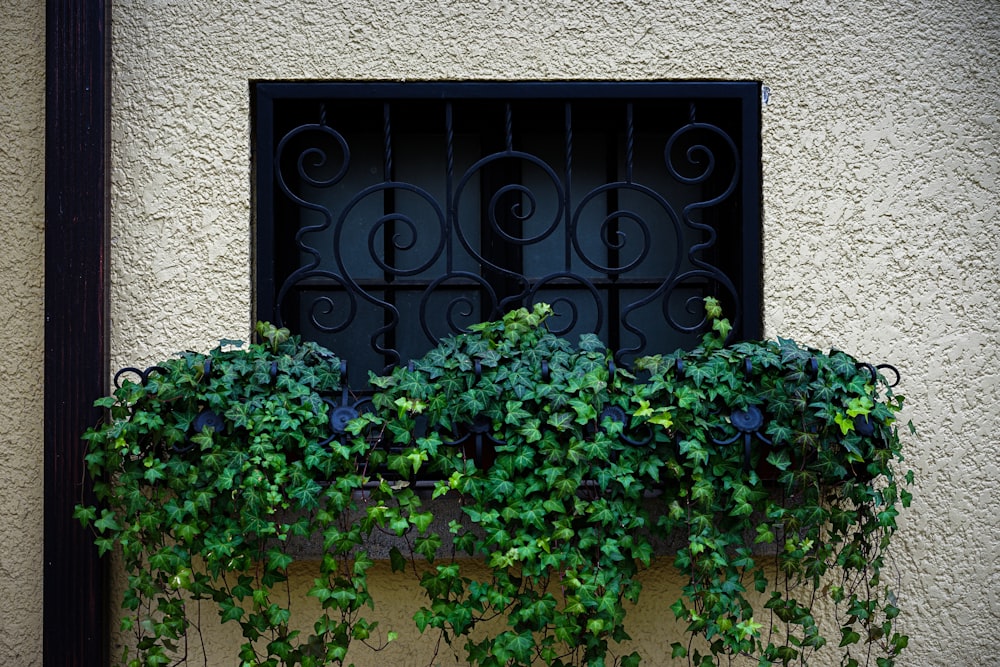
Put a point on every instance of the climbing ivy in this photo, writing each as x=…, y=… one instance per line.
x=765, y=470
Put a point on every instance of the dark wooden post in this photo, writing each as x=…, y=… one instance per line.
x=77, y=100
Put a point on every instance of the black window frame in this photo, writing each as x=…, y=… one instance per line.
x=697, y=99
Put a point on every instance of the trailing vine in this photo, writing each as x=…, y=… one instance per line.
x=780, y=446
x=768, y=469
x=557, y=514
x=205, y=470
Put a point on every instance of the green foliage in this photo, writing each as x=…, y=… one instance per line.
x=820, y=491
x=772, y=466
x=204, y=473
x=558, y=509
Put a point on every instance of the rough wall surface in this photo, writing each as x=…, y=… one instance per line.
x=22, y=217
x=880, y=176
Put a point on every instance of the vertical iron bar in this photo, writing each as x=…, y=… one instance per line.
x=629, y=142
x=389, y=229
x=612, y=205
x=508, y=127
x=450, y=213
x=386, y=143
x=494, y=177
x=568, y=234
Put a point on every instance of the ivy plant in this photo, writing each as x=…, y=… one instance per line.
x=775, y=462
x=787, y=488
x=205, y=470
x=555, y=509
x=766, y=471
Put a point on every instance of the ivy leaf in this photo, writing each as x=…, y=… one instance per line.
x=781, y=433
x=849, y=636
x=713, y=310
x=306, y=493
x=104, y=545
x=779, y=459
x=560, y=421
x=396, y=560
x=515, y=413
x=422, y=521
x=564, y=487
x=477, y=347
x=845, y=423
x=517, y=647
x=585, y=411
x=229, y=611
x=490, y=358
x=590, y=342
x=661, y=417
x=278, y=559
x=451, y=385
x=186, y=532
x=427, y=546
x=84, y=514
x=843, y=365
x=531, y=430
x=722, y=327
x=108, y=522
x=688, y=397
x=524, y=458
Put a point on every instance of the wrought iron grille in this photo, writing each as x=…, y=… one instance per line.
x=391, y=215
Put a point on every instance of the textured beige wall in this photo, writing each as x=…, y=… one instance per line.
x=22, y=216
x=880, y=176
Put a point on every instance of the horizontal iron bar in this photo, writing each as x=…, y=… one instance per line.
x=536, y=90
x=318, y=283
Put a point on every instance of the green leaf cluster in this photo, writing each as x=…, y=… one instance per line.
x=204, y=473
x=556, y=507
x=811, y=509
x=771, y=466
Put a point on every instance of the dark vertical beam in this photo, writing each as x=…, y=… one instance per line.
x=77, y=100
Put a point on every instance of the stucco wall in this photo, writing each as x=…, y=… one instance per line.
x=22, y=217
x=880, y=176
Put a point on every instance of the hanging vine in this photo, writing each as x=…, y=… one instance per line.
x=772, y=468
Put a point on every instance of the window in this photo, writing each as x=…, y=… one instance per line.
x=389, y=215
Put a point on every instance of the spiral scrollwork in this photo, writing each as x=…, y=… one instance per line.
x=507, y=202
x=566, y=314
x=695, y=142
x=614, y=235
x=321, y=308
x=704, y=144
x=459, y=310
x=432, y=220
x=616, y=239
x=694, y=305
x=313, y=165
x=142, y=375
